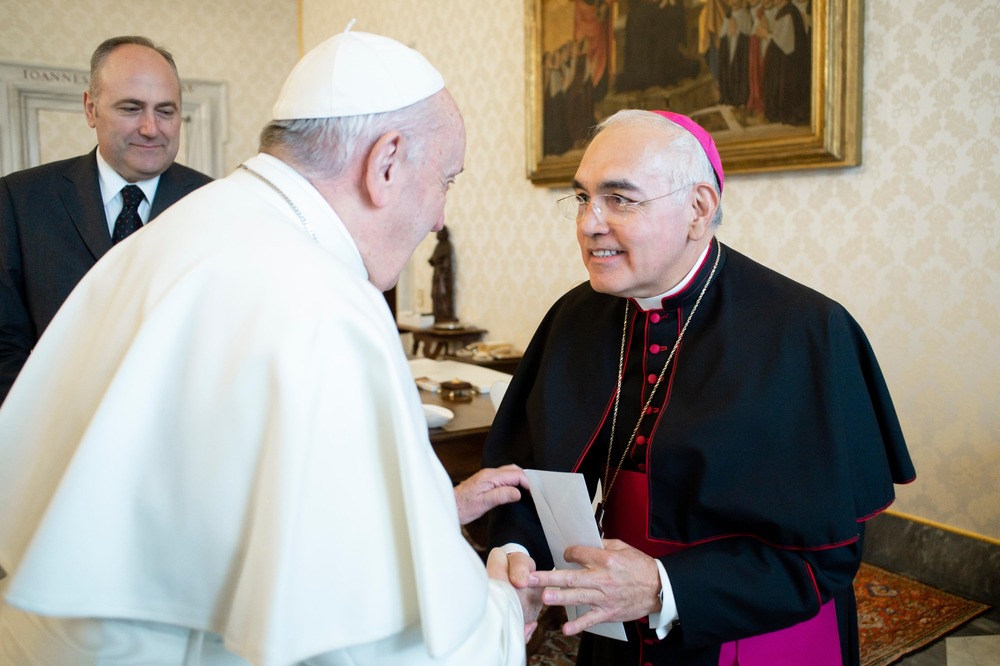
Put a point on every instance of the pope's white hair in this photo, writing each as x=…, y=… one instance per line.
x=324, y=147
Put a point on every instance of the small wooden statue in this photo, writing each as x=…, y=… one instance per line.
x=443, y=280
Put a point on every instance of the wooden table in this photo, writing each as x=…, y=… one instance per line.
x=438, y=341
x=459, y=443
x=508, y=365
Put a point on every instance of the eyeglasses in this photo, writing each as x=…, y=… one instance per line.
x=611, y=208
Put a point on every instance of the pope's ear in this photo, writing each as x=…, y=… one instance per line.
x=704, y=203
x=382, y=165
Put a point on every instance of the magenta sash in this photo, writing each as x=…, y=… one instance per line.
x=815, y=641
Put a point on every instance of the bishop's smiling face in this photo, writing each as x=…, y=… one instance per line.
x=652, y=250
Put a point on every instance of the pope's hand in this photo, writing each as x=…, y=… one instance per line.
x=488, y=488
x=619, y=583
x=517, y=566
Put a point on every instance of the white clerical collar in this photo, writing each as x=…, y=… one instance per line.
x=112, y=182
x=656, y=302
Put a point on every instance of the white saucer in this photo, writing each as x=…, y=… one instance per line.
x=437, y=416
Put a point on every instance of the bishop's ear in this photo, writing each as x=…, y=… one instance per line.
x=704, y=202
x=382, y=166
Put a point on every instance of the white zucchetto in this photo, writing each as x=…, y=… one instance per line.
x=353, y=74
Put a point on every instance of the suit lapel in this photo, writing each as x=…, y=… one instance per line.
x=80, y=193
x=170, y=189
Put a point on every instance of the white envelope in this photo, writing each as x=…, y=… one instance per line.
x=567, y=518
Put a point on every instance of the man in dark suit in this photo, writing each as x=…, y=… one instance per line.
x=58, y=219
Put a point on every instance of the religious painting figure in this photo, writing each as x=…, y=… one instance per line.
x=591, y=22
x=787, y=67
x=655, y=36
x=734, y=47
x=556, y=136
x=759, y=38
x=579, y=96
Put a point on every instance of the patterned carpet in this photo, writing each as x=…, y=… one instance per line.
x=896, y=616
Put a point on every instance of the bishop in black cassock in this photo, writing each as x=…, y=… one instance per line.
x=767, y=438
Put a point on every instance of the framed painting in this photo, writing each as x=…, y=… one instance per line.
x=776, y=82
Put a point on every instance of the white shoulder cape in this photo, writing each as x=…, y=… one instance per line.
x=219, y=431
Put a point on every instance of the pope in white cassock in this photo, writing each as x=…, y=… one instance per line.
x=217, y=455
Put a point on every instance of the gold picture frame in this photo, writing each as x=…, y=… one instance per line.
x=831, y=137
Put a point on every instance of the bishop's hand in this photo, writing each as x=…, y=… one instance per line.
x=619, y=583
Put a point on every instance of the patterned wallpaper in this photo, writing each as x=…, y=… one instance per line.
x=909, y=242
x=65, y=134
x=249, y=44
